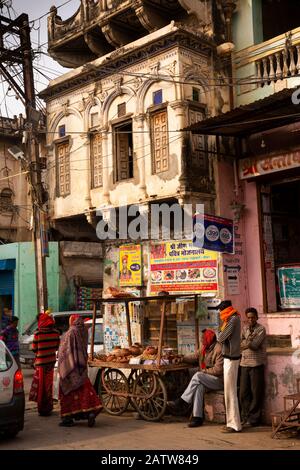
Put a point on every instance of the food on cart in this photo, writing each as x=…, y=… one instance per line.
x=99, y=357
x=116, y=292
x=120, y=352
x=135, y=350
x=150, y=350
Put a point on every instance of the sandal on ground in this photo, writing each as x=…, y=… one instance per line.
x=91, y=420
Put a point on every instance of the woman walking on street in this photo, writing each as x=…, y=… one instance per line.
x=78, y=399
x=45, y=345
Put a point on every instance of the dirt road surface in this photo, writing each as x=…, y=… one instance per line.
x=126, y=432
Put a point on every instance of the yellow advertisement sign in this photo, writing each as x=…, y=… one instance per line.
x=180, y=267
x=130, y=265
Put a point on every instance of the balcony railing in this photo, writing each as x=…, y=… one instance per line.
x=276, y=59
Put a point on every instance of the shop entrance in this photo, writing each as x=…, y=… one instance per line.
x=285, y=212
x=281, y=244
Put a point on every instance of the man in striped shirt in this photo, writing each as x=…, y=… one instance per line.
x=45, y=345
x=252, y=369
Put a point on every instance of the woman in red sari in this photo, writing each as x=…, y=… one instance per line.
x=78, y=399
x=45, y=345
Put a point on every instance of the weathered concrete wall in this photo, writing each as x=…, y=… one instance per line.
x=281, y=376
x=14, y=224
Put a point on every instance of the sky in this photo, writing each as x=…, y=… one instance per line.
x=48, y=68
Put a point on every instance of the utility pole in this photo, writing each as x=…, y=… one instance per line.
x=22, y=55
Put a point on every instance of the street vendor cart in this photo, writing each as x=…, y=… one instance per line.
x=146, y=387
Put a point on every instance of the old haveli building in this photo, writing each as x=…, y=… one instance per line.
x=141, y=71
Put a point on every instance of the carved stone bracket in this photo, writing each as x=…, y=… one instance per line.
x=114, y=35
x=154, y=68
x=117, y=81
x=148, y=16
x=65, y=108
x=96, y=46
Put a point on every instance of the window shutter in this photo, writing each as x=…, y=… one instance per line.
x=63, y=156
x=123, y=157
x=160, y=153
x=97, y=165
x=197, y=140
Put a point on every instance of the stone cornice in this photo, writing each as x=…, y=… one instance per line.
x=125, y=57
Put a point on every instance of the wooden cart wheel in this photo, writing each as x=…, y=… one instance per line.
x=113, y=380
x=151, y=409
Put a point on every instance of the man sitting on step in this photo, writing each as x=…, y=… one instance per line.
x=210, y=377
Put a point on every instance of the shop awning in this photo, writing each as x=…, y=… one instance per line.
x=7, y=264
x=261, y=115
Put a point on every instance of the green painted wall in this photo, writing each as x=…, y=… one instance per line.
x=25, y=280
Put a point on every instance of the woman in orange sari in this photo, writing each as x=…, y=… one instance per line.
x=78, y=399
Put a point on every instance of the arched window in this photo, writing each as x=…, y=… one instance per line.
x=6, y=199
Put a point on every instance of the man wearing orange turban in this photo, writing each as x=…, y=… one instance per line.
x=230, y=338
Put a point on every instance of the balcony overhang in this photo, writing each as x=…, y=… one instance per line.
x=164, y=39
x=98, y=27
x=268, y=113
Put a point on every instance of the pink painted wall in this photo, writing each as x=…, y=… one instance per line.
x=225, y=196
x=252, y=247
x=283, y=324
x=281, y=376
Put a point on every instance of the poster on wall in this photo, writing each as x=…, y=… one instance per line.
x=289, y=286
x=130, y=271
x=213, y=233
x=179, y=267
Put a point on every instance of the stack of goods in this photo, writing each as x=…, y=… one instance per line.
x=84, y=296
x=120, y=355
x=135, y=354
x=116, y=293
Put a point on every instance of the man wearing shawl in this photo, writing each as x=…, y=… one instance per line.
x=78, y=399
x=210, y=377
x=230, y=338
x=45, y=345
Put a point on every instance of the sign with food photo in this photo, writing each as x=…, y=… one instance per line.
x=179, y=267
x=130, y=270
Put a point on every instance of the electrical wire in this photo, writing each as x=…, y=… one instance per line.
x=13, y=176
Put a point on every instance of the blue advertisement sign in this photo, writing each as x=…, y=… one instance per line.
x=213, y=233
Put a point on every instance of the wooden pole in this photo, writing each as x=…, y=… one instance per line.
x=93, y=329
x=161, y=331
x=196, y=323
x=128, y=323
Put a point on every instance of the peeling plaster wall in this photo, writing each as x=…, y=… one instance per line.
x=281, y=376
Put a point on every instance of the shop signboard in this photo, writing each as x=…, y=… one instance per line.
x=257, y=166
x=289, y=286
x=180, y=267
x=217, y=234
x=130, y=271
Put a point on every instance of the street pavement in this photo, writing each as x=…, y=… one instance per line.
x=126, y=432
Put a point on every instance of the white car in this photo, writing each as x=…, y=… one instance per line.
x=12, y=397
